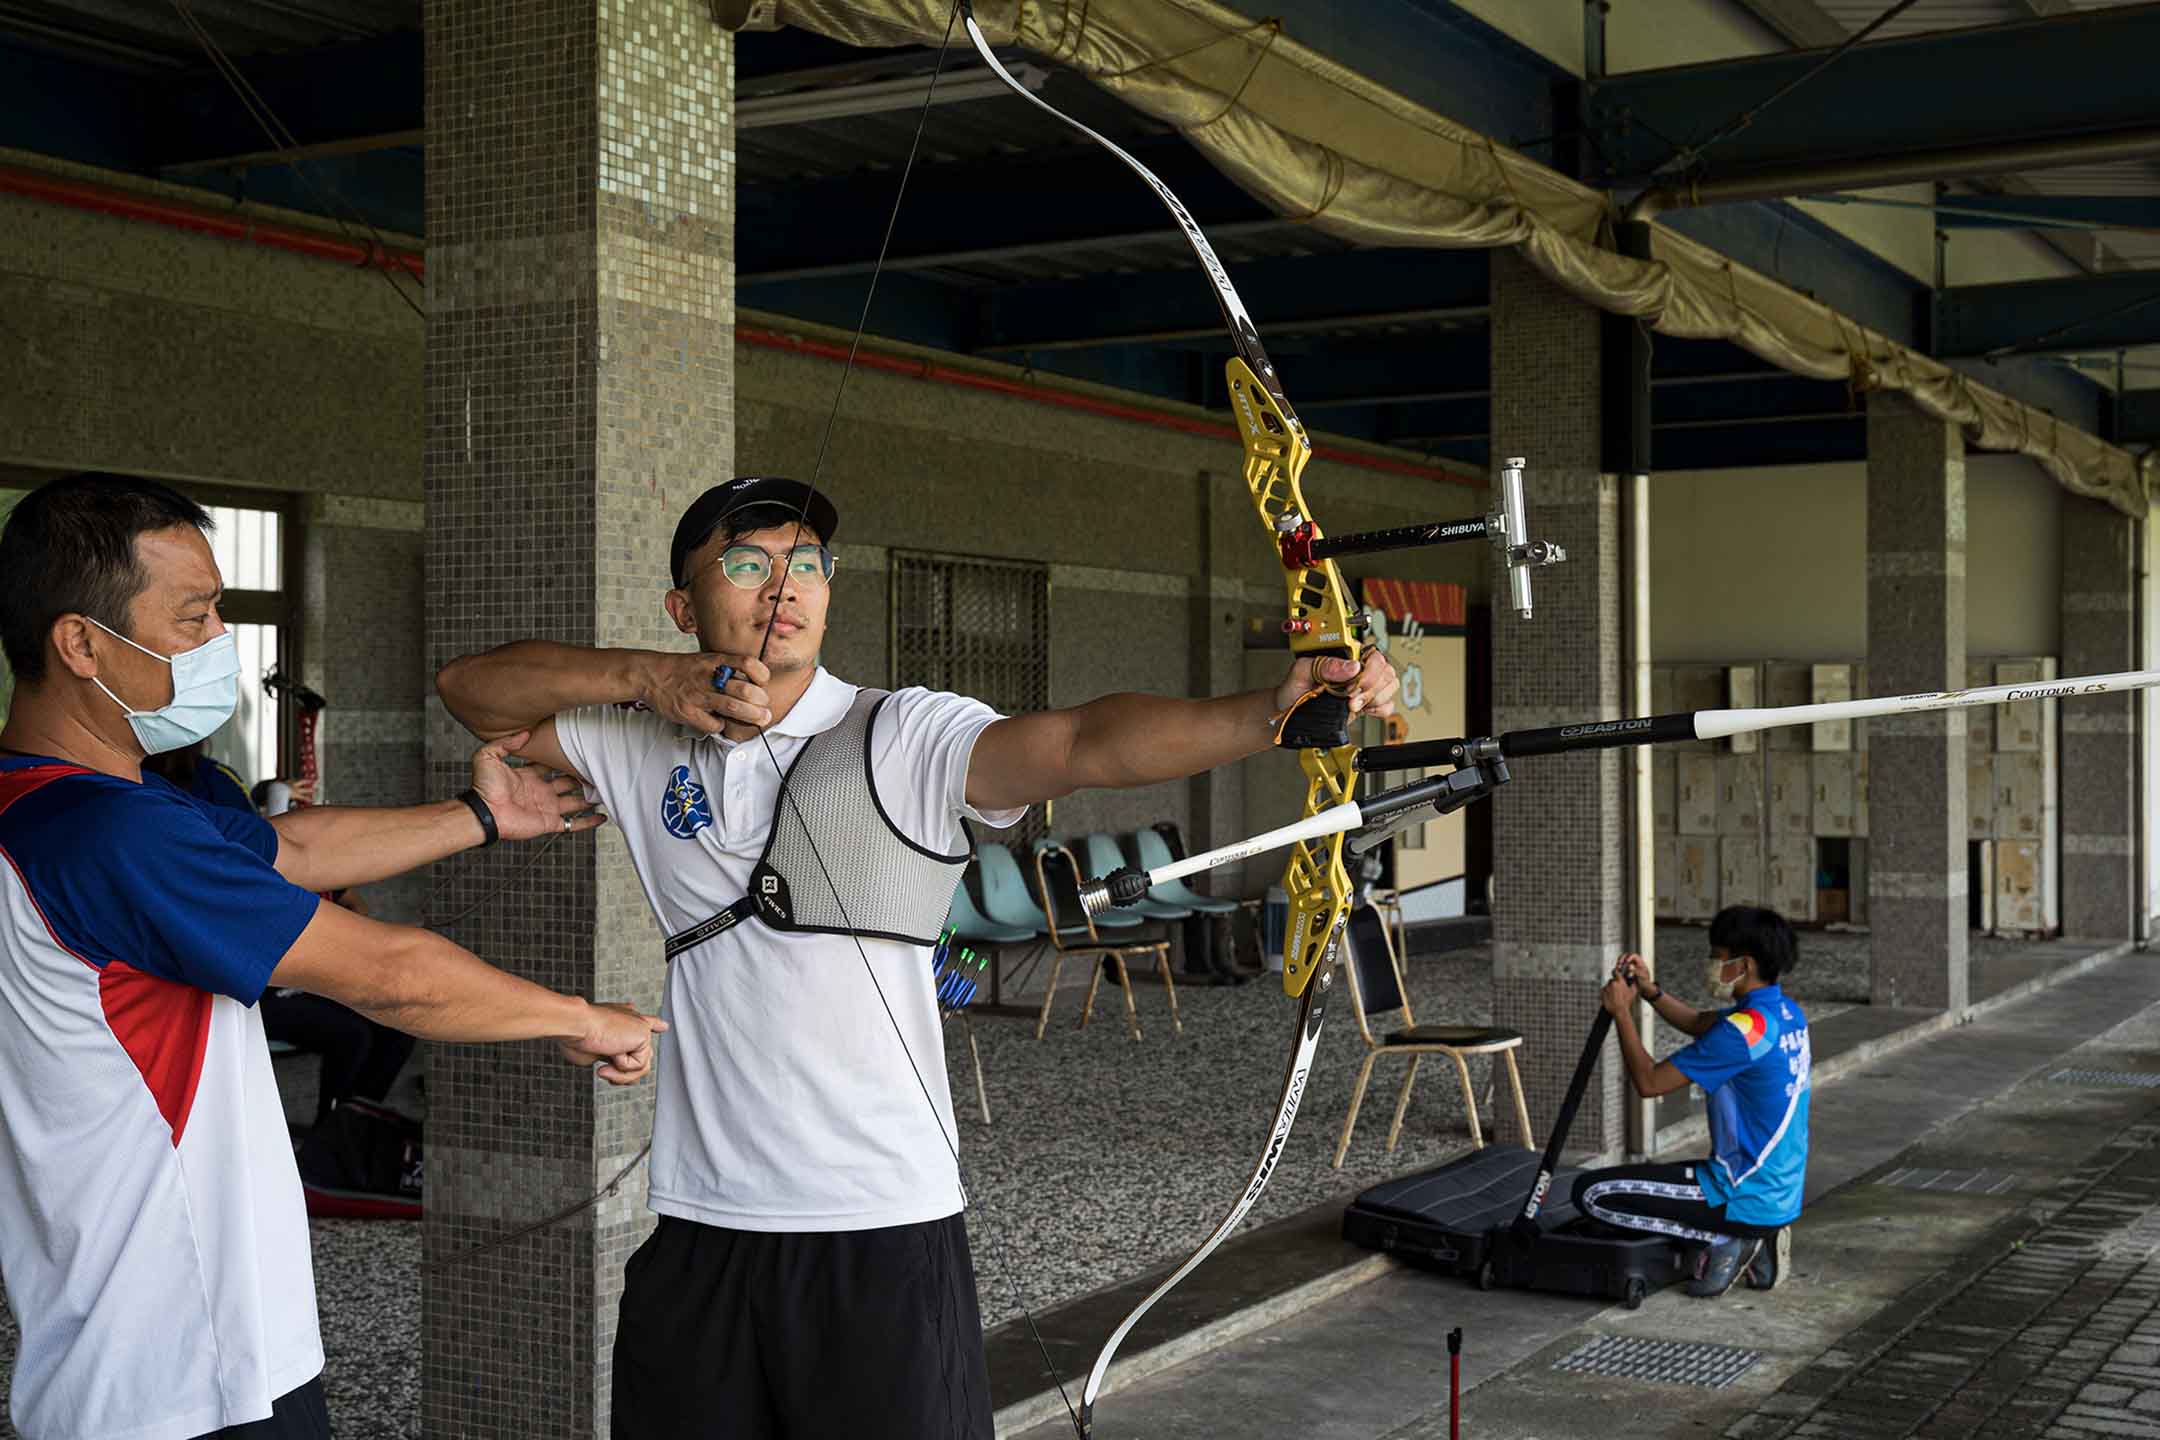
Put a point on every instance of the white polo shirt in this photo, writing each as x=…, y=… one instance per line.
x=785, y=1099
x=152, y=1231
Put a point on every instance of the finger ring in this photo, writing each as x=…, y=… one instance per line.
x=566, y=822
x=721, y=676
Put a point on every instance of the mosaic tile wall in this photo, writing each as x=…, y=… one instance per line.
x=1558, y=827
x=149, y=350
x=1918, y=886
x=2099, y=806
x=579, y=393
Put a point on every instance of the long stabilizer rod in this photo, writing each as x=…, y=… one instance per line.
x=1718, y=724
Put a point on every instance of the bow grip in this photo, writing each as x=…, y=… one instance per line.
x=1320, y=722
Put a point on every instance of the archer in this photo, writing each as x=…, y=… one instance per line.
x=810, y=1273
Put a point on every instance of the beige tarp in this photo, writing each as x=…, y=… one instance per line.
x=1313, y=140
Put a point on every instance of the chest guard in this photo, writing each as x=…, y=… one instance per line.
x=889, y=888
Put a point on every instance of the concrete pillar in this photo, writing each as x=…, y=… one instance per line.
x=2099, y=803
x=1918, y=892
x=1559, y=828
x=579, y=392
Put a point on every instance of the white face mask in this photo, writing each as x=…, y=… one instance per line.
x=1714, y=970
x=206, y=688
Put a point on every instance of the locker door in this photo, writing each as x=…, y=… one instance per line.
x=2021, y=796
x=1697, y=882
x=1830, y=683
x=1696, y=793
x=2018, y=724
x=1668, y=877
x=2017, y=886
x=1740, y=870
x=1790, y=885
x=1743, y=691
x=1740, y=795
x=1792, y=794
x=1980, y=721
x=1980, y=796
x=1833, y=776
x=1786, y=685
x=1664, y=798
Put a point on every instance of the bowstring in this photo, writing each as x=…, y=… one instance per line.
x=968, y=1200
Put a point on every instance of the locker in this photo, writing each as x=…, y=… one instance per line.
x=1859, y=795
x=1979, y=796
x=1789, y=887
x=1828, y=684
x=1696, y=793
x=1664, y=801
x=2017, y=886
x=1792, y=794
x=1667, y=862
x=1740, y=870
x=1833, y=776
x=1740, y=795
x=1980, y=721
x=1786, y=685
x=1697, y=687
x=2020, y=796
x=1695, y=878
x=2018, y=724
x=1743, y=691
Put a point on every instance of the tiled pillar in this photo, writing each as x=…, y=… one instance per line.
x=1559, y=827
x=579, y=391
x=2099, y=803
x=1918, y=893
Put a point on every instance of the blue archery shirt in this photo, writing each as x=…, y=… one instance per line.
x=1755, y=1066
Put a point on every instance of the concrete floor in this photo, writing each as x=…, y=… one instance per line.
x=1371, y=1364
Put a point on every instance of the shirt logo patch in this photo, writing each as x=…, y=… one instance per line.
x=684, y=808
x=1752, y=1028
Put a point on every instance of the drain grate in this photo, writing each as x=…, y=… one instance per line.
x=2104, y=1077
x=1671, y=1362
x=1962, y=1182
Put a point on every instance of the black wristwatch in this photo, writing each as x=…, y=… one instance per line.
x=1653, y=999
x=485, y=816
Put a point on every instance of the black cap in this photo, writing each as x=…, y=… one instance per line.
x=709, y=509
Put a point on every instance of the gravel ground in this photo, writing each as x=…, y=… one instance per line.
x=1105, y=1157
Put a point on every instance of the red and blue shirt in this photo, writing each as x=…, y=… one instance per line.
x=153, y=1239
x=1755, y=1066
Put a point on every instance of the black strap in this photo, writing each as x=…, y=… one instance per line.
x=704, y=930
x=481, y=813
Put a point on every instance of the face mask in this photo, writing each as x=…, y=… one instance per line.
x=1720, y=988
x=206, y=687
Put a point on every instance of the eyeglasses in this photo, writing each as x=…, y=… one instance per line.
x=747, y=567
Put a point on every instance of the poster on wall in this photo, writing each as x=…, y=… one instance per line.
x=1418, y=625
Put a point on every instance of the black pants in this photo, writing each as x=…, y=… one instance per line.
x=1659, y=1199
x=750, y=1335
x=359, y=1056
x=296, y=1415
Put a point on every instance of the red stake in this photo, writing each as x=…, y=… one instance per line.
x=1454, y=1384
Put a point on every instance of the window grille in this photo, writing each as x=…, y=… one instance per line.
x=979, y=628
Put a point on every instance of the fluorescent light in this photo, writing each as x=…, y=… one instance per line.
x=878, y=97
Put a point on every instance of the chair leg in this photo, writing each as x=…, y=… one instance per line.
x=1087, y=1011
x=982, y=1095
x=1124, y=980
x=1469, y=1101
x=1402, y=1103
x=1522, y=1111
x=1357, y=1098
x=1042, y=1021
x=1162, y=960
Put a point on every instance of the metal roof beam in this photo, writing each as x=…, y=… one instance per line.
x=1363, y=289
x=2072, y=75
x=2042, y=317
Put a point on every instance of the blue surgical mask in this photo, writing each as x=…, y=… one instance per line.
x=206, y=687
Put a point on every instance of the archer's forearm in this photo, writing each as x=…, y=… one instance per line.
x=328, y=847
x=517, y=686
x=1682, y=1017
x=1632, y=1054
x=1124, y=741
